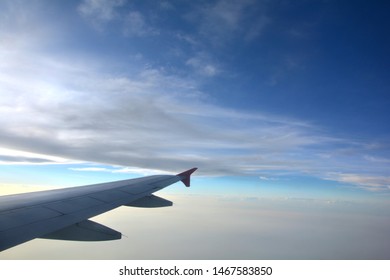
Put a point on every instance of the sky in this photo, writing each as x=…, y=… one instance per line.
x=282, y=105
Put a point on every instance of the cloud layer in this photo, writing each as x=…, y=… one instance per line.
x=84, y=109
x=230, y=229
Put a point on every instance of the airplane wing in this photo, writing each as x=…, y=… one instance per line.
x=64, y=213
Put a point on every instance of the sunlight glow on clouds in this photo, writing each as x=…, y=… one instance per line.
x=127, y=170
x=371, y=183
x=14, y=157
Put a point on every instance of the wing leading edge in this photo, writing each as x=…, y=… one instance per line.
x=64, y=213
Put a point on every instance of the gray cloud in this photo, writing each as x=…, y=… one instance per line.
x=18, y=159
x=147, y=118
x=153, y=121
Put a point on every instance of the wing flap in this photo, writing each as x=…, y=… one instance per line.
x=85, y=231
x=151, y=201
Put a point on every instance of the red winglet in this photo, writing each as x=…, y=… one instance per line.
x=185, y=176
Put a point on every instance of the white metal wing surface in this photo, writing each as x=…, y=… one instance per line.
x=64, y=213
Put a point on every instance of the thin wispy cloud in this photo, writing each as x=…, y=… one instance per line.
x=203, y=65
x=100, y=12
x=17, y=157
x=271, y=100
x=224, y=20
x=135, y=25
x=151, y=118
x=151, y=121
x=367, y=182
x=123, y=170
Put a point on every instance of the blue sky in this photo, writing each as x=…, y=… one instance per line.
x=276, y=99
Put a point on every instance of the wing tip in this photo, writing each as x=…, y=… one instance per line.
x=186, y=176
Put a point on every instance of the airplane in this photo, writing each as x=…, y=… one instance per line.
x=63, y=214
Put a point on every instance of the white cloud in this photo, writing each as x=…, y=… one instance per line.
x=143, y=171
x=367, y=182
x=90, y=169
x=135, y=25
x=165, y=5
x=225, y=19
x=152, y=121
x=100, y=11
x=75, y=109
x=125, y=170
x=266, y=178
x=17, y=157
x=203, y=65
